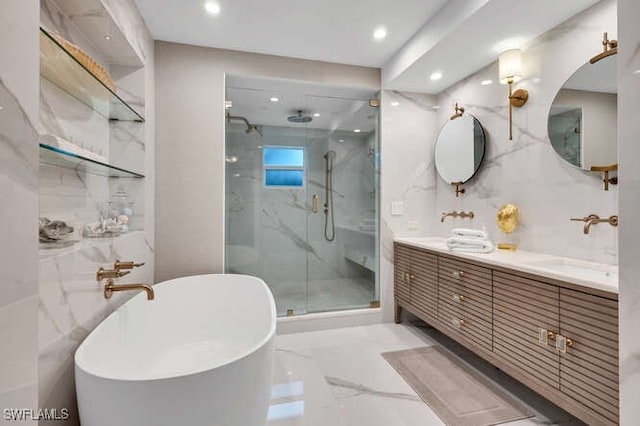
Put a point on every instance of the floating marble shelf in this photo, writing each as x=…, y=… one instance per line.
x=59, y=67
x=54, y=156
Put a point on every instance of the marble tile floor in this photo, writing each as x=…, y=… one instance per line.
x=338, y=378
x=322, y=295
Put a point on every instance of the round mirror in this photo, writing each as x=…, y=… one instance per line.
x=583, y=120
x=460, y=149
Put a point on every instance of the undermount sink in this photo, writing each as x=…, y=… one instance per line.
x=578, y=268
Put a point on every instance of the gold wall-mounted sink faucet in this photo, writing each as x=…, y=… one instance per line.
x=593, y=219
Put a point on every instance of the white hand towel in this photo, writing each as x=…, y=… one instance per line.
x=469, y=233
x=473, y=245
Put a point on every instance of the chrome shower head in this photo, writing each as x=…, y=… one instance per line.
x=300, y=117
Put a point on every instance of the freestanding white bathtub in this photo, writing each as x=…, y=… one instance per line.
x=199, y=354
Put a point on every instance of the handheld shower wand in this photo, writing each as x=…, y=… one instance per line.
x=329, y=234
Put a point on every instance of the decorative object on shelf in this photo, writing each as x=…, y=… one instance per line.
x=459, y=150
x=510, y=70
x=507, y=218
x=115, y=220
x=61, y=68
x=606, y=169
x=459, y=112
x=610, y=48
x=55, y=233
x=454, y=213
x=592, y=219
x=86, y=61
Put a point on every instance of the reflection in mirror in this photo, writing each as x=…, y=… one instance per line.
x=583, y=118
x=459, y=149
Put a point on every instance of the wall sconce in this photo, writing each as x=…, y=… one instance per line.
x=510, y=71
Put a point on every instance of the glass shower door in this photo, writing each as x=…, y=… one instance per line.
x=341, y=234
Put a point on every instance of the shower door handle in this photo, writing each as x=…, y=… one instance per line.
x=315, y=203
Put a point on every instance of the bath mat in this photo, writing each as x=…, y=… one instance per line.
x=456, y=393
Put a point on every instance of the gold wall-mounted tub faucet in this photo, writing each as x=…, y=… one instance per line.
x=110, y=288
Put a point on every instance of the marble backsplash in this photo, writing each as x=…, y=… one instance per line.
x=526, y=171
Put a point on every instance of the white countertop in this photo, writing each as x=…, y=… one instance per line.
x=588, y=274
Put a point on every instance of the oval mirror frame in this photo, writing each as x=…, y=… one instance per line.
x=459, y=149
x=582, y=120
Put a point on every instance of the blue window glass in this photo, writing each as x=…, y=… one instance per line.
x=284, y=177
x=283, y=157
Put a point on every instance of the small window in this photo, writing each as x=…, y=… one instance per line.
x=283, y=166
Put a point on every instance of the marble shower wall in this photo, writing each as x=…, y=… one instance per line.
x=629, y=155
x=526, y=171
x=71, y=301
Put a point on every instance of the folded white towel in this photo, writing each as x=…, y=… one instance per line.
x=472, y=245
x=471, y=233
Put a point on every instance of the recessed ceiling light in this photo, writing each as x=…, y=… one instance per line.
x=259, y=146
x=636, y=72
x=380, y=33
x=231, y=159
x=340, y=140
x=212, y=8
x=107, y=37
x=356, y=130
x=317, y=114
x=274, y=99
x=436, y=76
x=395, y=103
x=486, y=82
x=436, y=107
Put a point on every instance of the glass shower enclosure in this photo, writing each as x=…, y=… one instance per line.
x=302, y=192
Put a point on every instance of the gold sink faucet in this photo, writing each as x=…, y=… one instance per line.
x=470, y=215
x=593, y=219
x=110, y=274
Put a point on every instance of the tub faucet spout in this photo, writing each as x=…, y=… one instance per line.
x=110, y=287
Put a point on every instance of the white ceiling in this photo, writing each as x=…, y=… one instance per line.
x=338, y=31
x=472, y=43
x=339, y=108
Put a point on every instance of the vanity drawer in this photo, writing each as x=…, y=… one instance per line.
x=465, y=323
x=402, y=270
x=589, y=368
x=458, y=272
x=520, y=308
x=468, y=299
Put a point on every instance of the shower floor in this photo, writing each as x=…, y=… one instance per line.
x=322, y=295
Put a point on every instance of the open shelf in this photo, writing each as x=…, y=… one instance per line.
x=55, y=156
x=60, y=67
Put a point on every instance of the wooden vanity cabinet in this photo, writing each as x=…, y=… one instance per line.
x=416, y=282
x=504, y=315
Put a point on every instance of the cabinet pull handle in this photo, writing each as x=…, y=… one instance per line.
x=563, y=343
x=458, y=274
x=406, y=277
x=412, y=277
x=456, y=322
x=545, y=335
x=458, y=298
